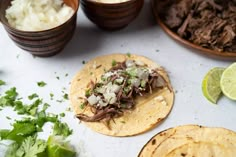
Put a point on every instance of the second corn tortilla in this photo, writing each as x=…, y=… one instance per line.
x=148, y=111
x=191, y=140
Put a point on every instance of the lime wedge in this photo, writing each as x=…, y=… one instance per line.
x=228, y=82
x=57, y=147
x=211, y=84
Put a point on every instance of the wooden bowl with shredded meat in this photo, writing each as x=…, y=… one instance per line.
x=206, y=25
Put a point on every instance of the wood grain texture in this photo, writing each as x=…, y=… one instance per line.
x=112, y=16
x=42, y=43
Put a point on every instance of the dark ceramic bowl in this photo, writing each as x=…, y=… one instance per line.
x=111, y=16
x=175, y=36
x=42, y=43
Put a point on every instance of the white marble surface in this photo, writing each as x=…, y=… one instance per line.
x=143, y=36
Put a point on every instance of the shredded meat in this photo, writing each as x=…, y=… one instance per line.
x=125, y=100
x=208, y=23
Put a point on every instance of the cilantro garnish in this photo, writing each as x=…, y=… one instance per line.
x=41, y=84
x=51, y=95
x=88, y=92
x=58, y=77
x=61, y=129
x=82, y=106
x=113, y=63
x=83, y=62
x=62, y=114
x=2, y=82
x=32, y=96
x=128, y=54
x=65, y=96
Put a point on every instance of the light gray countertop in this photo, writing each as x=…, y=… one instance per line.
x=143, y=36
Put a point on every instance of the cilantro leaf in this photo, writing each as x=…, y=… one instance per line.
x=2, y=82
x=11, y=151
x=61, y=129
x=32, y=96
x=9, y=98
x=27, y=109
x=31, y=147
x=4, y=133
x=41, y=84
x=20, y=131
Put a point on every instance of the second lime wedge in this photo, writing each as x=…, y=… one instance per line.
x=211, y=84
x=228, y=82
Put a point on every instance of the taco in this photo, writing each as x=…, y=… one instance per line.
x=191, y=140
x=121, y=95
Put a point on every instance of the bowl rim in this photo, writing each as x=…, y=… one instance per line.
x=5, y=23
x=176, y=37
x=109, y=4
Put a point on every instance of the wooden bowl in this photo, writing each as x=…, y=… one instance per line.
x=205, y=51
x=42, y=43
x=111, y=16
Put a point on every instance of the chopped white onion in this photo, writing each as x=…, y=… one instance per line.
x=37, y=15
x=112, y=88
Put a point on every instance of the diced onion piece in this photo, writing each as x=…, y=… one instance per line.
x=112, y=88
x=160, y=82
x=138, y=62
x=135, y=82
x=129, y=63
x=102, y=103
x=143, y=74
x=92, y=100
x=110, y=97
x=120, y=80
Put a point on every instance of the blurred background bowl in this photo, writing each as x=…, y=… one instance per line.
x=42, y=43
x=111, y=16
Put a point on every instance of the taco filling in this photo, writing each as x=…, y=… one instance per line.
x=117, y=88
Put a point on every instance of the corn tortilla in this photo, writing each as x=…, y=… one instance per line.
x=148, y=111
x=191, y=140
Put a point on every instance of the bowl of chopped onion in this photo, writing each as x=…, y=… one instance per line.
x=41, y=27
x=111, y=14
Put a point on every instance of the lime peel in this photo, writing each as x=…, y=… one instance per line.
x=211, y=84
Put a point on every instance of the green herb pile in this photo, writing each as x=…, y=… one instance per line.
x=24, y=132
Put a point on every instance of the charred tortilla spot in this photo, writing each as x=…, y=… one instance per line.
x=153, y=141
x=183, y=154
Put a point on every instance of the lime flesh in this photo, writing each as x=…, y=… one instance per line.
x=228, y=82
x=211, y=84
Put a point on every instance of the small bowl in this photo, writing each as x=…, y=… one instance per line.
x=42, y=43
x=205, y=51
x=111, y=16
